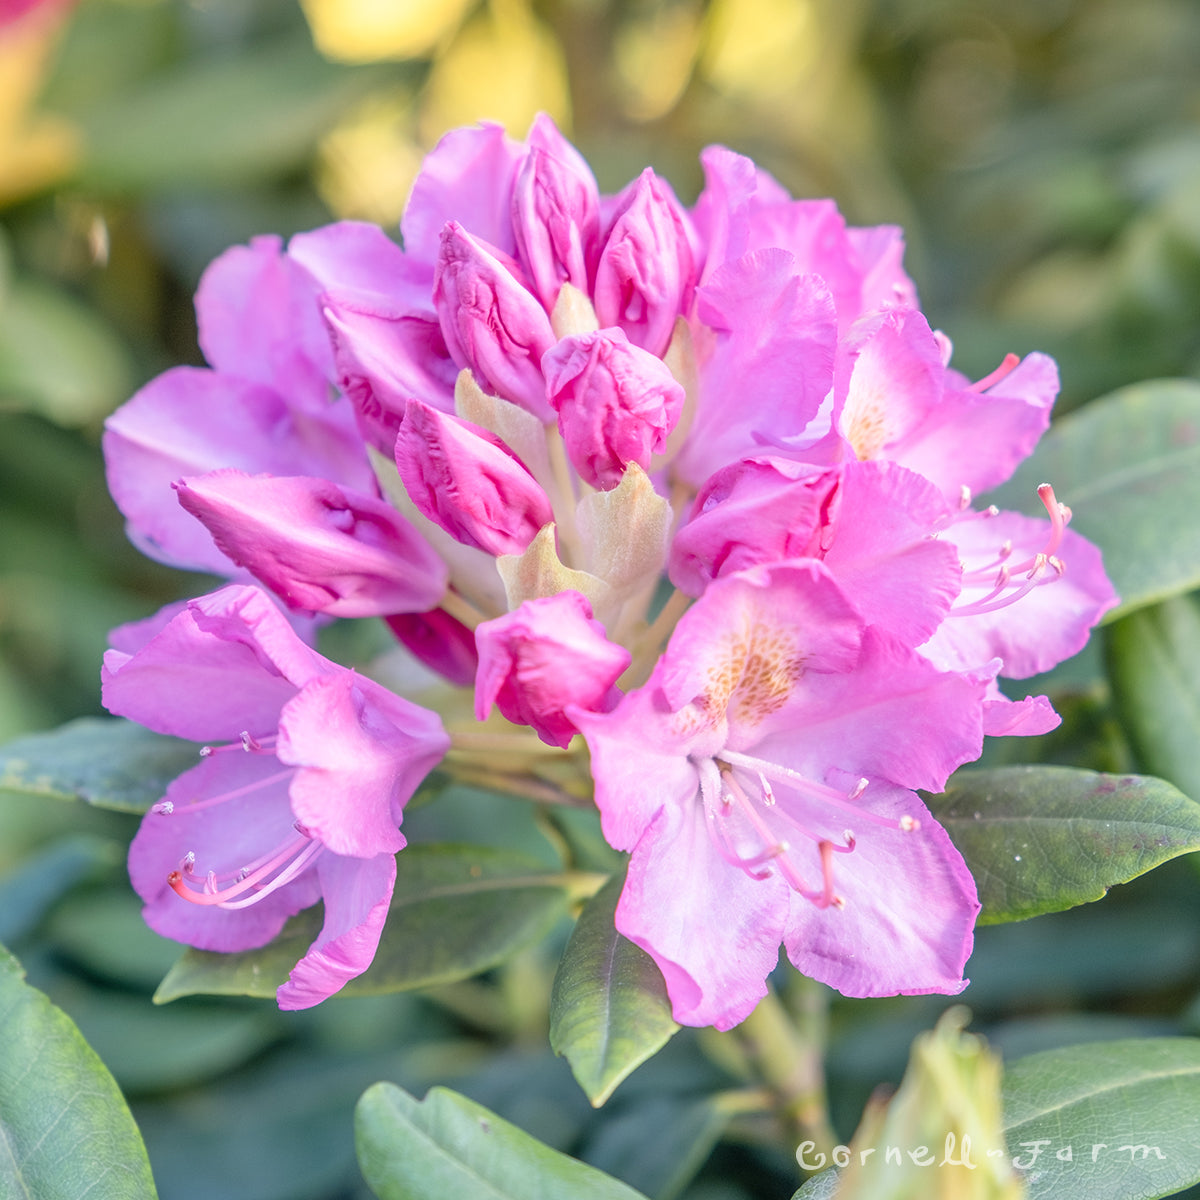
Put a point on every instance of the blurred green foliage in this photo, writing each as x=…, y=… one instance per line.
x=1044, y=159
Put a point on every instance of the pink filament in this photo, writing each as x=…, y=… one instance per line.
x=289, y=860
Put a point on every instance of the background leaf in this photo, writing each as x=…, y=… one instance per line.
x=446, y=1145
x=1041, y=839
x=609, y=1010
x=456, y=911
x=65, y=1131
x=109, y=762
x=1104, y=1099
x=1129, y=467
x=226, y=120
x=1154, y=663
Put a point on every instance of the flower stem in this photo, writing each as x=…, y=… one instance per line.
x=788, y=1054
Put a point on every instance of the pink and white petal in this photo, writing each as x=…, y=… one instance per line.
x=748, y=641
x=640, y=764
x=357, y=894
x=888, y=383
x=258, y=318
x=910, y=907
x=893, y=717
x=883, y=554
x=359, y=256
x=880, y=252
x=1048, y=624
x=712, y=929
x=223, y=838
x=227, y=663
x=767, y=364
x=467, y=177
x=188, y=421
x=361, y=752
x=1029, y=717
x=1007, y=419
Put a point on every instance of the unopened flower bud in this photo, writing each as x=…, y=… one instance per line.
x=616, y=403
x=544, y=657
x=491, y=322
x=556, y=214
x=646, y=273
x=320, y=547
x=465, y=479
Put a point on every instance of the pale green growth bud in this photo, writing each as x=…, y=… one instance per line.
x=626, y=532
x=539, y=572
x=941, y=1136
x=573, y=313
x=515, y=426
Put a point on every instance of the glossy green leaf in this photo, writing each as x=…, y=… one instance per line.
x=447, y=1145
x=104, y=761
x=1129, y=467
x=1041, y=839
x=65, y=1131
x=1154, y=664
x=609, y=1010
x=456, y=911
x=1115, y=1120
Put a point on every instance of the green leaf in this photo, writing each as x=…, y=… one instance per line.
x=456, y=911
x=241, y=118
x=1041, y=839
x=58, y=358
x=1128, y=464
x=1154, y=664
x=447, y=1145
x=1105, y=1102
x=32, y=888
x=660, y=1144
x=65, y=1131
x=104, y=761
x=609, y=1010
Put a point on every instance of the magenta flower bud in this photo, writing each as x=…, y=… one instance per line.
x=442, y=642
x=616, y=403
x=646, y=273
x=468, y=482
x=556, y=214
x=491, y=322
x=546, y=656
x=320, y=547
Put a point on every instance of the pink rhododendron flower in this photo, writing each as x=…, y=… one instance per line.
x=302, y=801
x=761, y=780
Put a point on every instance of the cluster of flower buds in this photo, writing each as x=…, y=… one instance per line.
x=691, y=486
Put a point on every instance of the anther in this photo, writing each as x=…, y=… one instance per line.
x=164, y=807
x=909, y=824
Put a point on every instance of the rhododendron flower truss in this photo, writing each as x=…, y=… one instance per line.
x=499, y=436
x=297, y=797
